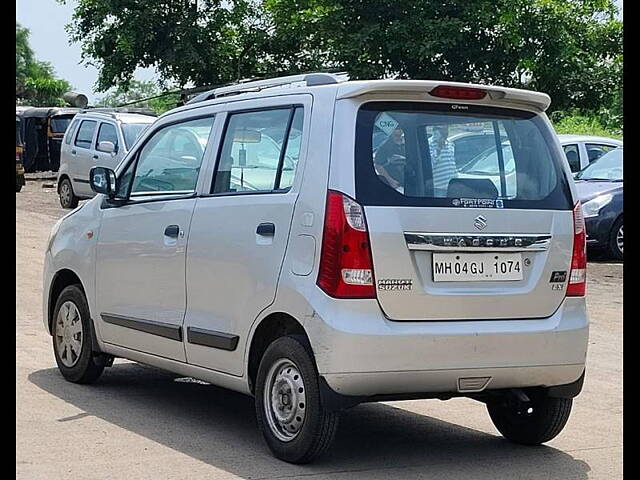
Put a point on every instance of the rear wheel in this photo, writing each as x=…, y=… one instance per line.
x=68, y=199
x=616, y=240
x=290, y=414
x=18, y=187
x=71, y=331
x=530, y=423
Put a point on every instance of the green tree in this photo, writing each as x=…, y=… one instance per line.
x=571, y=49
x=140, y=94
x=36, y=83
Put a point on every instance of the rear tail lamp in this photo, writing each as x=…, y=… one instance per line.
x=578, y=278
x=346, y=266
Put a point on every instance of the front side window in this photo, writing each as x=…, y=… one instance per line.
x=85, y=134
x=608, y=168
x=420, y=154
x=107, y=133
x=573, y=157
x=259, y=152
x=596, y=150
x=170, y=160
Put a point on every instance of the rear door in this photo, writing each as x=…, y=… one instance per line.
x=492, y=241
x=240, y=230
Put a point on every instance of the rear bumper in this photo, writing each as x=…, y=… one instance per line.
x=366, y=354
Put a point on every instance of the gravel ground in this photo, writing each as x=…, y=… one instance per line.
x=139, y=423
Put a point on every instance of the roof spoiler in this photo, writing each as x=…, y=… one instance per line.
x=537, y=100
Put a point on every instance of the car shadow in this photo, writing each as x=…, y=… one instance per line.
x=218, y=427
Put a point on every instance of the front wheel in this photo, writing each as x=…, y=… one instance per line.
x=530, y=423
x=616, y=240
x=295, y=425
x=68, y=199
x=72, y=341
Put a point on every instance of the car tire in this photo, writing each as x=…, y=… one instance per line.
x=530, y=423
x=287, y=384
x=68, y=199
x=616, y=237
x=18, y=187
x=72, y=337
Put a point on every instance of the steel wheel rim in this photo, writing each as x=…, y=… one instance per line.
x=68, y=334
x=65, y=192
x=284, y=399
x=620, y=239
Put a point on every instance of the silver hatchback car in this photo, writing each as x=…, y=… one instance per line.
x=259, y=239
x=95, y=137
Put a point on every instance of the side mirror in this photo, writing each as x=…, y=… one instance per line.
x=106, y=147
x=103, y=180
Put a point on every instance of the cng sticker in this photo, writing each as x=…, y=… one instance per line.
x=386, y=123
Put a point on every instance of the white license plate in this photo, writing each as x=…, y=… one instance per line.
x=476, y=267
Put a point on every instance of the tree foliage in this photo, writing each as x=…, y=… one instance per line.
x=571, y=49
x=36, y=83
x=140, y=94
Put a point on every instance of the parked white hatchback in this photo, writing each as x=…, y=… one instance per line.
x=256, y=240
x=96, y=137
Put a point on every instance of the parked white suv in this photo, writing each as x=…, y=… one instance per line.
x=95, y=138
x=254, y=239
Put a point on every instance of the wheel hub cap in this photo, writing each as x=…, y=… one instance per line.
x=620, y=239
x=68, y=334
x=285, y=400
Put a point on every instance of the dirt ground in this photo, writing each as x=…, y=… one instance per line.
x=141, y=423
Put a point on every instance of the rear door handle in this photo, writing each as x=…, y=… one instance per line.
x=172, y=231
x=266, y=229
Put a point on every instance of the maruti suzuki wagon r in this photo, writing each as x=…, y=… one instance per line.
x=316, y=243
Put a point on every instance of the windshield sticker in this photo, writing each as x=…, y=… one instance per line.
x=478, y=202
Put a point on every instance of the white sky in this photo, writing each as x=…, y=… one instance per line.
x=46, y=20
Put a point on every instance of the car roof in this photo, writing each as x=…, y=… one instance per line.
x=567, y=138
x=121, y=117
x=344, y=88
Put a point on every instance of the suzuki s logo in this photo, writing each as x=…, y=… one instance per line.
x=480, y=222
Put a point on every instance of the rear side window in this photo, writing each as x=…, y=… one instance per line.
x=573, y=156
x=107, y=133
x=506, y=158
x=85, y=133
x=260, y=151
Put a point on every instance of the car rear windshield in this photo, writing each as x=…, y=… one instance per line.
x=422, y=154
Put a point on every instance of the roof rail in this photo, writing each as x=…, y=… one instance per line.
x=309, y=79
x=112, y=111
